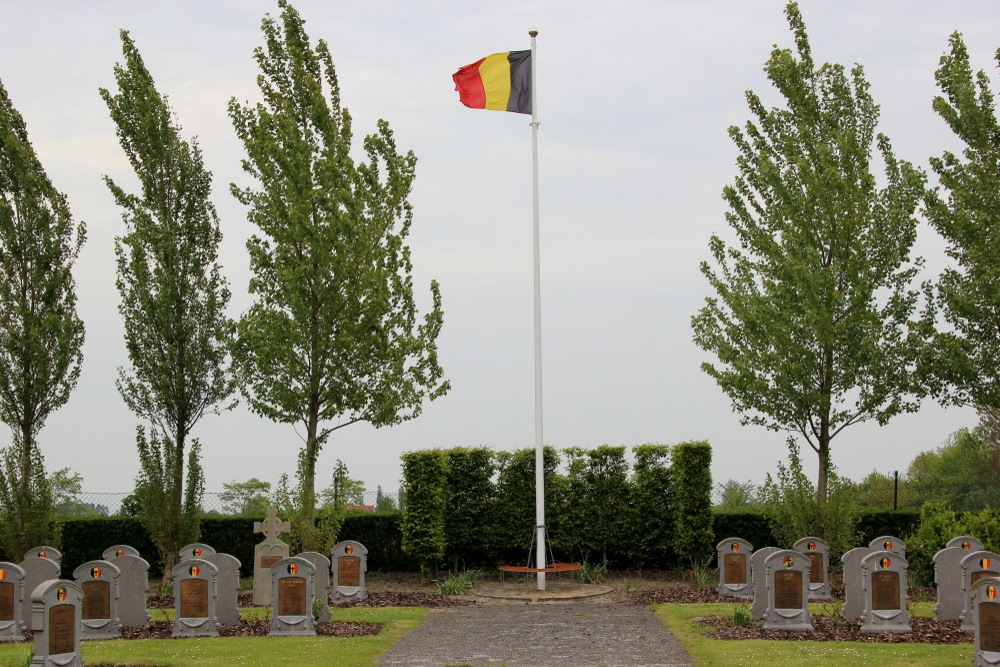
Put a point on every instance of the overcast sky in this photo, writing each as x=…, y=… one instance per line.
x=634, y=99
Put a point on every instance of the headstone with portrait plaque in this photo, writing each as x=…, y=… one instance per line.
x=818, y=552
x=56, y=617
x=11, y=597
x=734, y=567
x=986, y=618
x=348, y=562
x=132, y=585
x=787, y=580
x=883, y=579
x=758, y=581
x=294, y=588
x=322, y=580
x=267, y=553
x=195, y=591
x=39, y=564
x=854, y=592
x=99, y=580
x=974, y=567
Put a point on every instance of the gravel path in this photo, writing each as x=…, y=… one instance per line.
x=579, y=634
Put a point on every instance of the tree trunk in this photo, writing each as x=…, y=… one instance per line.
x=308, y=529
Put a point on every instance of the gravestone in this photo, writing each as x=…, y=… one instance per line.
x=965, y=542
x=787, y=582
x=349, y=562
x=986, y=618
x=321, y=578
x=48, y=553
x=99, y=580
x=55, y=620
x=38, y=566
x=293, y=591
x=975, y=566
x=889, y=543
x=11, y=598
x=132, y=585
x=267, y=553
x=734, y=567
x=854, y=592
x=883, y=577
x=227, y=609
x=193, y=551
x=195, y=592
x=758, y=581
x=948, y=582
x=818, y=553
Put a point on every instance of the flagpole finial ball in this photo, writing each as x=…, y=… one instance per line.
x=533, y=32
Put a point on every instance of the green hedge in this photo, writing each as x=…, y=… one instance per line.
x=693, y=539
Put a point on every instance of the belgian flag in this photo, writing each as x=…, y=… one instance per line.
x=501, y=82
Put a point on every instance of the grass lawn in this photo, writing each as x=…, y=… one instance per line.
x=299, y=651
x=678, y=617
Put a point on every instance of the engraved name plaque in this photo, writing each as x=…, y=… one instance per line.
x=96, y=600
x=6, y=601
x=788, y=590
x=62, y=629
x=885, y=591
x=194, y=598
x=976, y=576
x=815, y=567
x=736, y=568
x=349, y=571
x=267, y=562
x=292, y=596
x=989, y=626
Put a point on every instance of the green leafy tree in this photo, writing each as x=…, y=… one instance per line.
x=41, y=335
x=251, y=497
x=66, y=487
x=383, y=503
x=734, y=495
x=967, y=359
x=962, y=473
x=173, y=300
x=343, y=490
x=811, y=318
x=332, y=338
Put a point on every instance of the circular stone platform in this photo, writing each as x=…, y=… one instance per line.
x=527, y=591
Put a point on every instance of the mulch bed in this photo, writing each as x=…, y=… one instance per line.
x=161, y=629
x=407, y=599
x=828, y=629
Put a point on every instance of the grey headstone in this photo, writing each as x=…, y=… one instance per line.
x=293, y=591
x=883, y=577
x=99, y=581
x=854, y=592
x=56, y=616
x=133, y=584
x=787, y=581
x=965, y=542
x=12, y=624
x=734, y=567
x=986, y=618
x=975, y=566
x=196, y=550
x=321, y=577
x=758, y=580
x=36, y=570
x=227, y=600
x=50, y=553
x=348, y=563
x=948, y=581
x=888, y=543
x=195, y=592
x=267, y=553
x=818, y=552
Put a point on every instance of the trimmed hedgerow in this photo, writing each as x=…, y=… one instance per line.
x=425, y=488
x=694, y=539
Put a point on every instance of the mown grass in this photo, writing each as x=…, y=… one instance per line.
x=679, y=618
x=226, y=651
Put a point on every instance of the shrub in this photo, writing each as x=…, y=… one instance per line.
x=693, y=540
x=425, y=480
x=654, y=500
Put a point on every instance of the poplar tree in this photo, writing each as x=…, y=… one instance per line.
x=173, y=301
x=41, y=335
x=967, y=214
x=811, y=317
x=332, y=338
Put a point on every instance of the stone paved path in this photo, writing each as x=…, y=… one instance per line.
x=578, y=634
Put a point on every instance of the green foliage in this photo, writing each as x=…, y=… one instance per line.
x=173, y=299
x=737, y=496
x=249, y=498
x=741, y=615
x=343, y=489
x=693, y=538
x=938, y=524
x=333, y=334
x=654, y=516
x=592, y=573
x=66, y=486
x=702, y=577
x=811, y=320
x=967, y=355
x=458, y=584
x=383, y=503
x=513, y=515
x=753, y=526
x=470, y=492
x=425, y=479
x=878, y=490
x=41, y=335
x=962, y=473
x=795, y=512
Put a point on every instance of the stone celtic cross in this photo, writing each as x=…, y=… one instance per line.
x=272, y=527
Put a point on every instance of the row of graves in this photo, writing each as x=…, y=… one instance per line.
x=108, y=594
x=781, y=583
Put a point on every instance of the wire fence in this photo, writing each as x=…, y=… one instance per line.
x=90, y=503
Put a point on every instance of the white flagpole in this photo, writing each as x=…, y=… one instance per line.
x=539, y=446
